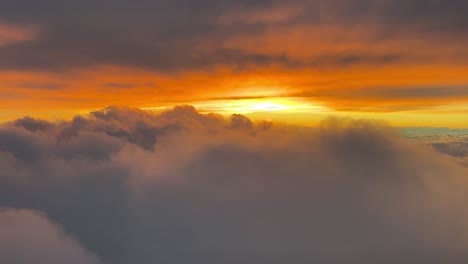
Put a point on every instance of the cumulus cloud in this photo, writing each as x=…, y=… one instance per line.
x=185, y=187
x=29, y=237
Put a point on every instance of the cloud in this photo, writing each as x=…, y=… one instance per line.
x=33, y=124
x=453, y=142
x=180, y=35
x=386, y=98
x=393, y=93
x=457, y=149
x=29, y=237
x=276, y=14
x=127, y=85
x=39, y=86
x=10, y=33
x=180, y=186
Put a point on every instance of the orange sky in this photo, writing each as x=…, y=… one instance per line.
x=299, y=96
x=271, y=62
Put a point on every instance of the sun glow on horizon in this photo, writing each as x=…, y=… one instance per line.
x=246, y=106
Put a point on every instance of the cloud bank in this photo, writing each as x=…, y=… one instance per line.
x=185, y=187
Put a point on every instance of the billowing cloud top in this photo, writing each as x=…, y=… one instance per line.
x=182, y=187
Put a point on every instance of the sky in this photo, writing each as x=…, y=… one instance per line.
x=402, y=61
x=226, y=132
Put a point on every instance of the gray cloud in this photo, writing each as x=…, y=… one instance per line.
x=29, y=237
x=382, y=92
x=127, y=85
x=457, y=149
x=39, y=86
x=453, y=142
x=173, y=35
x=33, y=124
x=178, y=187
x=408, y=97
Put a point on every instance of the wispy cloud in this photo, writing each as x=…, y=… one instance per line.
x=12, y=33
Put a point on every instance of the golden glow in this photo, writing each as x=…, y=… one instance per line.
x=246, y=106
x=295, y=96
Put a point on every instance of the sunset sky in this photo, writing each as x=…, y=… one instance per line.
x=297, y=61
x=233, y=131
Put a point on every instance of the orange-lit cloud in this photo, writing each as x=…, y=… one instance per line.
x=10, y=34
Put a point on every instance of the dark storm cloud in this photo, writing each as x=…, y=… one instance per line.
x=174, y=35
x=182, y=187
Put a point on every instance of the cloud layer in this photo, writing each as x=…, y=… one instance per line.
x=180, y=35
x=178, y=187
